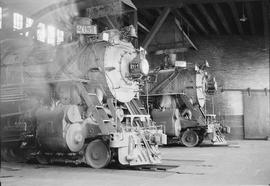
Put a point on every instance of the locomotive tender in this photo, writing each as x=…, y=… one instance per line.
x=79, y=105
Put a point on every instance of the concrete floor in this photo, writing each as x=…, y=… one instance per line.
x=242, y=163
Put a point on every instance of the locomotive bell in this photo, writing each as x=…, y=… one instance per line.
x=132, y=31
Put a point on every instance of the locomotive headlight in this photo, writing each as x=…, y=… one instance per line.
x=144, y=66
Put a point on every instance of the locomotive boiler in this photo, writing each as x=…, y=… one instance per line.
x=78, y=103
x=176, y=96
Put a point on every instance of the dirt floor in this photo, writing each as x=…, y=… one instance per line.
x=241, y=163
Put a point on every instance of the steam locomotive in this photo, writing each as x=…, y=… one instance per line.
x=78, y=104
x=176, y=95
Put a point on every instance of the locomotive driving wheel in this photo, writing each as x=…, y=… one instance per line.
x=97, y=154
x=190, y=138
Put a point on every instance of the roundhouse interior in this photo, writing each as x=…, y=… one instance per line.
x=232, y=35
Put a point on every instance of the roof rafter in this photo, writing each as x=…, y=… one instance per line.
x=265, y=7
x=183, y=32
x=144, y=28
x=180, y=16
x=198, y=22
x=250, y=18
x=222, y=18
x=177, y=3
x=147, y=14
x=156, y=27
x=236, y=17
x=208, y=17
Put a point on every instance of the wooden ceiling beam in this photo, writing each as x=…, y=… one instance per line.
x=156, y=27
x=180, y=16
x=236, y=17
x=143, y=27
x=144, y=22
x=183, y=32
x=178, y=3
x=250, y=18
x=198, y=22
x=208, y=17
x=265, y=8
x=222, y=18
x=159, y=10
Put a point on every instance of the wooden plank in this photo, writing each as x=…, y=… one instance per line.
x=186, y=36
x=143, y=27
x=250, y=18
x=178, y=3
x=265, y=7
x=180, y=16
x=159, y=10
x=156, y=27
x=198, y=22
x=144, y=22
x=256, y=115
x=208, y=17
x=236, y=17
x=222, y=18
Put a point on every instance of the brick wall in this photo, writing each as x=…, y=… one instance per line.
x=237, y=63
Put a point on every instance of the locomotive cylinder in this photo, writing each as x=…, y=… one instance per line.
x=58, y=130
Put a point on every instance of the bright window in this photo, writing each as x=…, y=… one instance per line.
x=17, y=21
x=51, y=35
x=28, y=24
x=60, y=36
x=41, y=32
x=1, y=16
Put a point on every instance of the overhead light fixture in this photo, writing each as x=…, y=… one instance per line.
x=243, y=18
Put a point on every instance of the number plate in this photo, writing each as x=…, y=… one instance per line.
x=86, y=29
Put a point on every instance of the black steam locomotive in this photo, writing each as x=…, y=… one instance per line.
x=176, y=95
